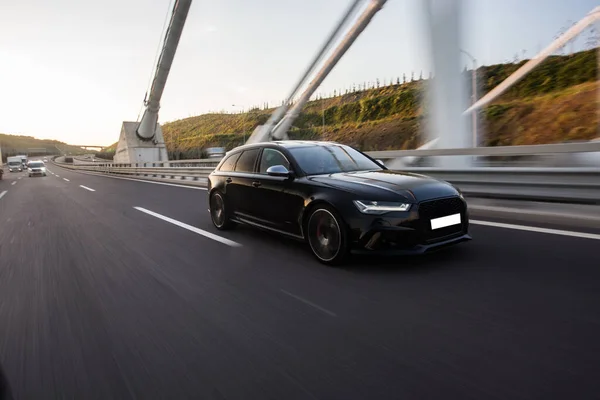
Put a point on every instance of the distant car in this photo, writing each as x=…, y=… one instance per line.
x=36, y=168
x=215, y=152
x=336, y=198
x=45, y=160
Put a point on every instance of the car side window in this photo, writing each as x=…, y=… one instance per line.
x=247, y=161
x=229, y=163
x=271, y=157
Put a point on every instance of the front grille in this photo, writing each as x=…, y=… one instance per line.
x=431, y=209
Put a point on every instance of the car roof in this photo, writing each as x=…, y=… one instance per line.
x=287, y=144
x=304, y=143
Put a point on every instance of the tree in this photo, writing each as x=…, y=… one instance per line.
x=377, y=81
x=412, y=76
x=421, y=75
x=403, y=78
x=398, y=81
x=334, y=93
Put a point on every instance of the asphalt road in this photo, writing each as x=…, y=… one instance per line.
x=100, y=300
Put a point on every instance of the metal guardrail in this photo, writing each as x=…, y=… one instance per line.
x=193, y=173
x=569, y=185
x=497, y=151
x=572, y=185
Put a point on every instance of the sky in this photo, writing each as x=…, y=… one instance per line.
x=73, y=70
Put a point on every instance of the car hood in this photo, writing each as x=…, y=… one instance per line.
x=412, y=187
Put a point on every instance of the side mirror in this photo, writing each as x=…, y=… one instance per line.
x=278, y=170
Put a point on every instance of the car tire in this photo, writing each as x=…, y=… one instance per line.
x=219, y=212
x=30, y=175
x=327, y=235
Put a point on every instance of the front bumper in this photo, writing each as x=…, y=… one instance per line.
x=415, y=249
x=32, y=173
x=409, y=232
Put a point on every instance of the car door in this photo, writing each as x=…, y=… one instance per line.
x=223, y=176
x=240, y=184
x=278, y=200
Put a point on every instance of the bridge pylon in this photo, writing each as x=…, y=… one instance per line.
x=144, y=141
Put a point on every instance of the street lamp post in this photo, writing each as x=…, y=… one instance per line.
x=473, y=95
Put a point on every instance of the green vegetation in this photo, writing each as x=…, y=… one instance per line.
x=12, y=145
x=554, y=103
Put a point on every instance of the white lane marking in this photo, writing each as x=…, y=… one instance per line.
x=582, y=235
x=142, y=180
x=14, y=183
x=3, y=193
x=66, y=180
x=58, y=176
x=20, y=177
x=191, y=228
x=529, y=212
x=87, y=188
x=310, y=303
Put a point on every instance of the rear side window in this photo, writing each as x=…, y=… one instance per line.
x=229, y=163
x=247, y=161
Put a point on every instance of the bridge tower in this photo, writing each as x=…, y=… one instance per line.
x=446, y=94
x=143, y=141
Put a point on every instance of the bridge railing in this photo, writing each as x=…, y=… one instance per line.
x=566, y=184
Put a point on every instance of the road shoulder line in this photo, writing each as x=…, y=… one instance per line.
x=560, y=232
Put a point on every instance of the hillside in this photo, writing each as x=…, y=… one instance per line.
x=15, y=144
x=556, y=102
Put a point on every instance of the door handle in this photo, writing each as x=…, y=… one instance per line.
x=228, y=180
x=256, y=184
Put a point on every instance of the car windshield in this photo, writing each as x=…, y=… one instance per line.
x=331, y=159
x=14, y=163
x=36, y=165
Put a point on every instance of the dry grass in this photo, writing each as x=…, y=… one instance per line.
x=571, y=114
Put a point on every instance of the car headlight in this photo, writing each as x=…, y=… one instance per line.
x=380, y=207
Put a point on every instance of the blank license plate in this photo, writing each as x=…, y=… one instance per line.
x=443, y=222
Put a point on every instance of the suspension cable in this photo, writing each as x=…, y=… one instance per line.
x=156, y=55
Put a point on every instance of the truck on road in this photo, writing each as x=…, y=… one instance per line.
x=15, y=164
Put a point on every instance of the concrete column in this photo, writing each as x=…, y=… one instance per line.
x=446, y=94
